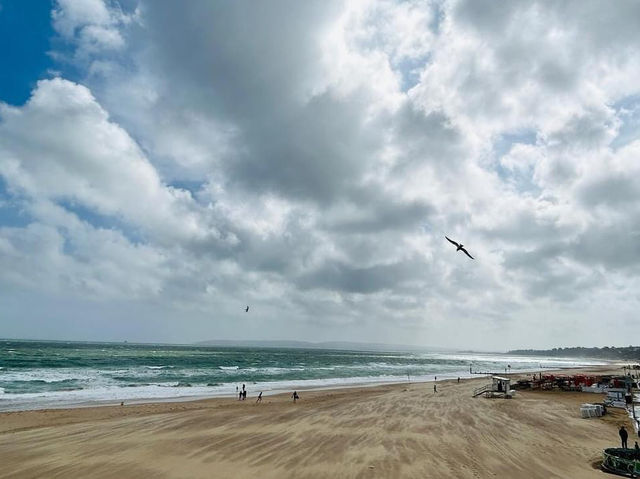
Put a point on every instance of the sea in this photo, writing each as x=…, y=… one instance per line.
x=50, y=374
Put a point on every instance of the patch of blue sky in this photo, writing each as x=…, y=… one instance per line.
x=519, y=179
x=101, y=221
x=410, y=70
x=628, y=111
x=192, y=186
x=12, y=211
x=25, y=33
x=503, y=144
x=197, y=188
x=438, y=16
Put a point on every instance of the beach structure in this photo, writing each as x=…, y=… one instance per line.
x=616, y=397
x=591, y=410
x=578, y=382
x=499, y=387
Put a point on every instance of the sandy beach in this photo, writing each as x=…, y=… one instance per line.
x=402, y=430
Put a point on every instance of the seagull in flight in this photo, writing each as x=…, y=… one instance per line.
x=246, y=310
x=459, y=247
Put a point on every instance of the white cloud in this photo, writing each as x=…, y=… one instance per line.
x=93, y=25
x=62, y=146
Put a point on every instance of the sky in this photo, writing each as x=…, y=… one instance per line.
x=165, y=164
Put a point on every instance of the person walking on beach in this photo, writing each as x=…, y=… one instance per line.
x=259, y=397
x=623, y=436
x=244, y=394
x=240, y=396
x=295, y=396
x=435, y=388
x=458, y=379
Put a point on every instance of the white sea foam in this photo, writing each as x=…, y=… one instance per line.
x=108, y=385
x=50, y=375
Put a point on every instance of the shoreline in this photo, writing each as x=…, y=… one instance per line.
x=70, y=404
x=192, y=403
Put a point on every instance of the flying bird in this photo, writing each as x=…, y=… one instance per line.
x=459, y=247
x=246, y=310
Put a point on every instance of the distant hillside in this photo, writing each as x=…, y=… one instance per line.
x=344, y=345
x=625, y=353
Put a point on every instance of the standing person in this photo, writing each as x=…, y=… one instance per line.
x=239, y=395
x=458, y=379
x=295, y=396
x=244, y=394
x=623, y=436
x=435, y=389
x=259, y=397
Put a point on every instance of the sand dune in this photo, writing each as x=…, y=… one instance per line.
x=388, y=431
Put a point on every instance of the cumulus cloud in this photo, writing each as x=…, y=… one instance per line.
x=62, y=146
x=93, y=25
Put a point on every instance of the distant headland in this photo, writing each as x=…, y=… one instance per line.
x=606, y=352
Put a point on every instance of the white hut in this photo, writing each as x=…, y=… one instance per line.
x=499, y=387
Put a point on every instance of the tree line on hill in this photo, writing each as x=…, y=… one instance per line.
x=607, y=352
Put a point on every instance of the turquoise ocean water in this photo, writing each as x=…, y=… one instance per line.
x=40, y=374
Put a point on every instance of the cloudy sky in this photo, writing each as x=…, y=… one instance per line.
x=164, y=164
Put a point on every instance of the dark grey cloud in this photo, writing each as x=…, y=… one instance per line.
x=318, y=153
x=338, y=276
x=373, y=210
x=426, y=139
x=614, y=245
x=255, y=67
x=615, y=191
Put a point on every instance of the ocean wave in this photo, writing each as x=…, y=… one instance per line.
x=276, y=370
x=173, y=374
x=179, y=390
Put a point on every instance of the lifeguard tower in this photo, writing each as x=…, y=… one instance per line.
x=499, y=387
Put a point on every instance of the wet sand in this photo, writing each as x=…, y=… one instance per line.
x=401, y=430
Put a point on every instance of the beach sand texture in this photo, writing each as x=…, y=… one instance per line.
x=387, y=431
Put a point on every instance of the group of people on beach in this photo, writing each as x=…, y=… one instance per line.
x=242, y=395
